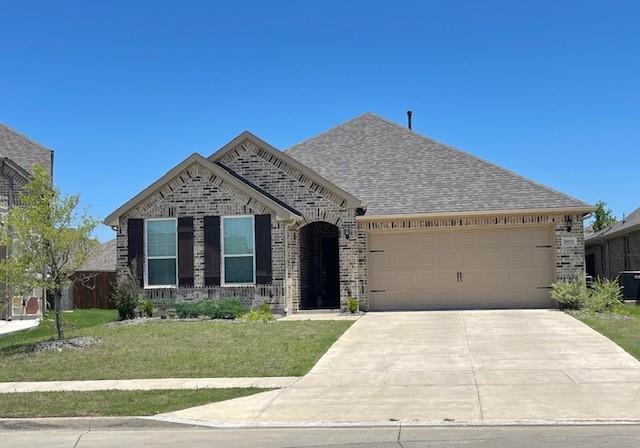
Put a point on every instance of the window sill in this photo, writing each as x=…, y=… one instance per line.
x=161, y=287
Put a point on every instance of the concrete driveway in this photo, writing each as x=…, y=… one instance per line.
x=462, y=366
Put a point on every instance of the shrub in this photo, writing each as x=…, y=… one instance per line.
x=209, y=308
x=260, y=314
x=352, y=305
x=570, y=294
x=147, y=307
x=188, y=309
x=127, y=295
x=605, y=296
x=213, y=309
x=230, y=308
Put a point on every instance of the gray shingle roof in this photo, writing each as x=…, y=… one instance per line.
x=396, y=171
x=629, y=223
x=23, y=151
x=102, y=258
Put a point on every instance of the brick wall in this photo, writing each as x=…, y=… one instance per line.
x=197, y=192
x=314, y=202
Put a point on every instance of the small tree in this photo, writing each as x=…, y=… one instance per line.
x=603, y=216
x=48, y=240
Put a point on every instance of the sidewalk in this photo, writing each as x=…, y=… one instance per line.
x=275, y=382
x=11, y=326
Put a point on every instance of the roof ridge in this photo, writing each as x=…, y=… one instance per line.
x=29, y=139
x=331, y=129
x=451, y=148
x=486, y=162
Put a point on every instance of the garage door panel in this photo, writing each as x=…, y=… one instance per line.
x=502, y=268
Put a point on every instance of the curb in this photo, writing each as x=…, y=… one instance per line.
x=169, y=423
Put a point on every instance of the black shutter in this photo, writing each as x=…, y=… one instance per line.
x=185, y=251
x=211, y=250
x=135, y=247
x=263, y=249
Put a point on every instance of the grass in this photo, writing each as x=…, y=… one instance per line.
x=179, y=349
x=111, y=402
x=71, y=322
x=624, y=332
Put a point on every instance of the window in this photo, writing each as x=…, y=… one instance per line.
x=238, y=251
x=161, y=248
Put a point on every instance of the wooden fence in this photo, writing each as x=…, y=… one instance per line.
x=94, y=292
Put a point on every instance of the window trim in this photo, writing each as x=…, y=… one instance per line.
x=147, y=257
x=223, y=280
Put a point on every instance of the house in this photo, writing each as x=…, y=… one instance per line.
x=18, y=157
x=94, y=281
x=369, y=209
x=614, y=249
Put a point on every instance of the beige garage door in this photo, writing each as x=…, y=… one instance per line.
x=454, y=269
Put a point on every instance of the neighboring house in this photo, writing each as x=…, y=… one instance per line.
x=94, y=282
x=614, y=249
x=368, y=209
x=18, y=157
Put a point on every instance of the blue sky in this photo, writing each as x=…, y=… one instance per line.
x=123, y=91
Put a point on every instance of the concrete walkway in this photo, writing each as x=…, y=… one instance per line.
x=532, y=366
x=148, y=384
x=11, y=326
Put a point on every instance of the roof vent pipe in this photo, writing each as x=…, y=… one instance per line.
x=409, y=114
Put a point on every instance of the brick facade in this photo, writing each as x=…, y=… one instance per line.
x=197, y=192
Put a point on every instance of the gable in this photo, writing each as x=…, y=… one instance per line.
x=397, y=171
x=288, y=166
x=210, y=178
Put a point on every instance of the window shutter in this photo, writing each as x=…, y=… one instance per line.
x=211, y=250
x=135, y=247
x=263, y=249
x=185, y=251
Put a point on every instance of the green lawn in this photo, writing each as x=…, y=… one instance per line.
x=111, y=402
x=71, y=322
x=624, y=332
x=177, y=349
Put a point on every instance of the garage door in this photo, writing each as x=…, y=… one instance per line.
x=443, y=269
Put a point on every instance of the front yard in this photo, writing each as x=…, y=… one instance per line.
x=621, y=328
x=170, y=349
x=111, y=402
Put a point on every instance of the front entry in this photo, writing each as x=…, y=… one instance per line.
x=319, y=267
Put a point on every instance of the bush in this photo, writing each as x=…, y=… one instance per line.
x=146, y=307
x=352, y=305
x=127, y=295
x=230, y=308
x=213, y=309
x=570, y=294
x=606, y=296
x=260, y=314
x=188, y=309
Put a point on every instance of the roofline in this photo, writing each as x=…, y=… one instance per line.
x=597, y=238
x=29, y=139
x=523, y=211
x=281, y=212
x=352, y=201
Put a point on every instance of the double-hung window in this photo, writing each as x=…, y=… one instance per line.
x=161, y=249
x=238, y=251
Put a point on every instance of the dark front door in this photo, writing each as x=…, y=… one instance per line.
x=319, y=267
x=330, y=275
